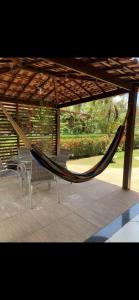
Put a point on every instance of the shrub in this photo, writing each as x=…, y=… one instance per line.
x=87, y=146
x=84, y=147
x=136, y=141
x=135, y=144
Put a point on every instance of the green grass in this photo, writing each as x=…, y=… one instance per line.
x=118, y=160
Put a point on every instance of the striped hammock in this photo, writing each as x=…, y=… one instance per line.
x=59, y=170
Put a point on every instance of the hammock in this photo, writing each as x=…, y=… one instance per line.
x=59, y=170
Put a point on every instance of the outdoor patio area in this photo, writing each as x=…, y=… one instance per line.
x=39, y=136
x=83, y=210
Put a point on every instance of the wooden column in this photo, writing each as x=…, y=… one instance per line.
x=129, y=139
x=57, y=131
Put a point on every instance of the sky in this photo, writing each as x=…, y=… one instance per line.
x=118, y=98
x=138, y=99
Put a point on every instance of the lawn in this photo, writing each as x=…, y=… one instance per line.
x=118, y=160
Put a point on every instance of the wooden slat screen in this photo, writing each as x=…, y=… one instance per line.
x=8, y=137
x=39, y=125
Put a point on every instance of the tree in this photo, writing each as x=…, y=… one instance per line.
x=104, y=116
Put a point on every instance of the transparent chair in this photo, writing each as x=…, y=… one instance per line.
x=35, y=172
x=25, y=158
x=18, y=171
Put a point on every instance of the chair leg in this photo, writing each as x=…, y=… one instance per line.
x=30, y=196
x=49, y=184
x=57, y=190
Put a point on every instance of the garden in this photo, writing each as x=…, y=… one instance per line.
x=88, y=129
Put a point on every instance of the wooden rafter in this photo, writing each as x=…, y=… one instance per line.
x=10, y=82
x=126, y=74
x=92, y=98
x=98, y=60
x=10, y=99
x=68, y=88
x=82, y=87
x=61, y=74
x=91, y=71
x=26, y=85
x=71, y=75
x=48, y=94
x=122, y=66
x=62, y=94
x=16, y=67
x=39, y=86
x=115, y=67
x=99, y=86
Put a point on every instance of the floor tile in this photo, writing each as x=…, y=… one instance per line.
x=128, y=233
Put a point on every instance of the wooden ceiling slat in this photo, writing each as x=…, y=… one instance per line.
x=11, y=81
x=77, y=78
x=91, y=71
x=92, y=98
x=48, y=94
x=39, y=86
x=9, y=99
x=16, y=67
x=26, y=84
x=82, y=87
x=68, y=88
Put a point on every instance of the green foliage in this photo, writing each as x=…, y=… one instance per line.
x=84, y=147
x=88, y=146
x=91, y=133
x=103, y=116
x=136, y=141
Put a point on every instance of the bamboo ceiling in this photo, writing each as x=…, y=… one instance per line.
x=61, y=82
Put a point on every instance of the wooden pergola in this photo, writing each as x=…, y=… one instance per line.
x=27, y=83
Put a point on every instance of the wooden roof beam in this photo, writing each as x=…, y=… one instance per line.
x=92, y=98
x=16, y=67
x=62, y=94
x=39, y=86
x=11, y=82
x=27, y=84
x=58, y=74
x=91, y=71
x=69, y=89
x=48, y=94
x=9, y=99
x=83, y=88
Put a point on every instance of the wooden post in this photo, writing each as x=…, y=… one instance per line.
x=57, y=131
x=132, y=100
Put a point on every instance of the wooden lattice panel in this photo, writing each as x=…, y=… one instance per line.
x=39, y=125
x=8, y=137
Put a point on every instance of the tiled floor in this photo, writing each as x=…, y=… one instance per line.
x=128, y=233
x=84, y=209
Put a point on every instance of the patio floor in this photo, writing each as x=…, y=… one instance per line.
x=83, y=210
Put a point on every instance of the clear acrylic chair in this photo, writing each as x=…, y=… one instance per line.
x=25, y=157
x=18, y=172
x=35, y=172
